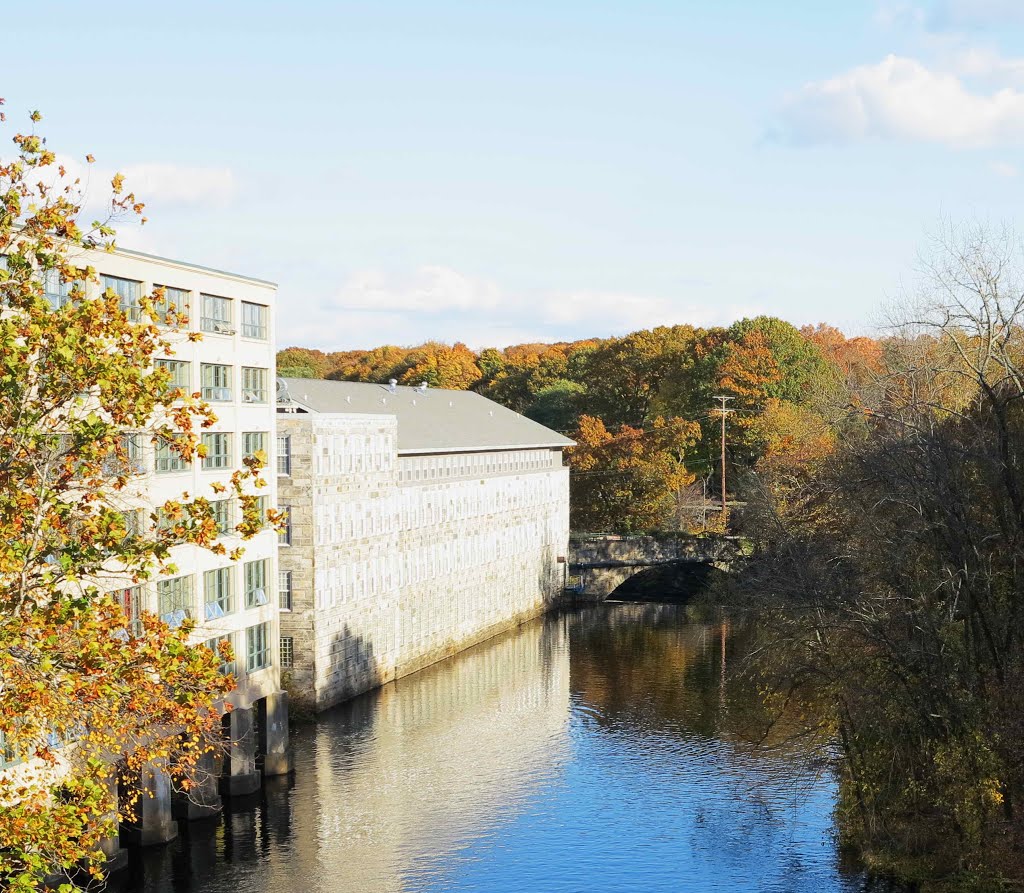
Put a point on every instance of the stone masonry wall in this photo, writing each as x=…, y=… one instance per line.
x=391, y=574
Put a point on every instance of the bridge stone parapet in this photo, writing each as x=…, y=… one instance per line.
x=600, y=563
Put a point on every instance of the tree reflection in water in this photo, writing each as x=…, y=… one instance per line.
x=604, y=749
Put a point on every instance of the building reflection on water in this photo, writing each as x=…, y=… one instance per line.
x=604, y=749
x=391, y=785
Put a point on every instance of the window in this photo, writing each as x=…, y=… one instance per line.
x=262, y=506
x=127, y=459
x=134, y=522
x=221, y=511
x=216, y=315
x=227, y=667
x=254, y=442
x=174, y=600
x=257, y=647
x=217, y=592
x=284, y=590
x=287, y=652
x=179, y=373
x=130, y=600
x=167, y=459
x=129, y=293
x=256, y=583
x=284, y=535
x=56, y=289
x=254, y=321
x=7, y=755
x=216, y=382
x=254, y=385
x=174, y=299
x=284, y=454
x=218, y=451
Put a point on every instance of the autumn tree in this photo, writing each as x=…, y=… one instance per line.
x=624, y=375
x=627, y=480
x=888, y=577
x=83, y=693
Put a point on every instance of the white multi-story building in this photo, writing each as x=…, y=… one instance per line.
x=421, y=521
x=233, y=367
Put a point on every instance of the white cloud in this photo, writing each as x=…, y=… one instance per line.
x=438, y=303
x=1004, y=169
x=901, y=98
x=976, y=12
x=153, y=182
x=429, y=290
x=180, y=184
x=987, y=64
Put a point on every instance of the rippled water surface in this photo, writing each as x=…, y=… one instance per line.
x=598, y=750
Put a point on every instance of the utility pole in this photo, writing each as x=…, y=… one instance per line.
x=722, y=409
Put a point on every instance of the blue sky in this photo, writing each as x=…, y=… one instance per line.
x=504, y=172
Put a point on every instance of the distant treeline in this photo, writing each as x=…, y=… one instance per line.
x=641, y=407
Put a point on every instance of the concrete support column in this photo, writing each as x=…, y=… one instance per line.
x=202, y=799
x=153, y=822
x=275, y=750
x=242, y=777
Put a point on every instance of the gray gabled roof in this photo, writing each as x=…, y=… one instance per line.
x=430, y=421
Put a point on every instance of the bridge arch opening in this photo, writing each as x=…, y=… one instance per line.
x=675, y=582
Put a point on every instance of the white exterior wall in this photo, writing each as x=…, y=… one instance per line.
x=234, y=417
x=400, y=561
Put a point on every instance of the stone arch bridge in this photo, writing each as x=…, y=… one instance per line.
x=600, y=563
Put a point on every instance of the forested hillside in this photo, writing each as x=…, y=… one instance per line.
x=642, y=408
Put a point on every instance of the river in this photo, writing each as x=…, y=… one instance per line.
x=604, y=749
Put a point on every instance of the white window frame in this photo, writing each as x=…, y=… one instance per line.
x=175, y=599
x=216, y=316
x=257, y=647
x=173, y=297
x=227, y=668
x=180, y=373
x=284, y=590
x=252, y=441
x=256, y=583
x=128, y=291
x=218, y=592
x=287, y=652
x=284, y=454
x=169, y=461
x=215, y=379
x=223, y=516
x=255, y=384
x=255, y=328
x=218, y=450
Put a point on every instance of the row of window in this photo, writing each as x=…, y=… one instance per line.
x=217, y=314
x=424, y=468
x=223, y=511
x=216, y=381
x=175, y=597
x=257, y=649
x=217, y=445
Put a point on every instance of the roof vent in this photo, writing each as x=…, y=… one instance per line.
x=421, y=388
x=282, y=391
x=393, y=385
x=348, y=398
x=451, y=402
